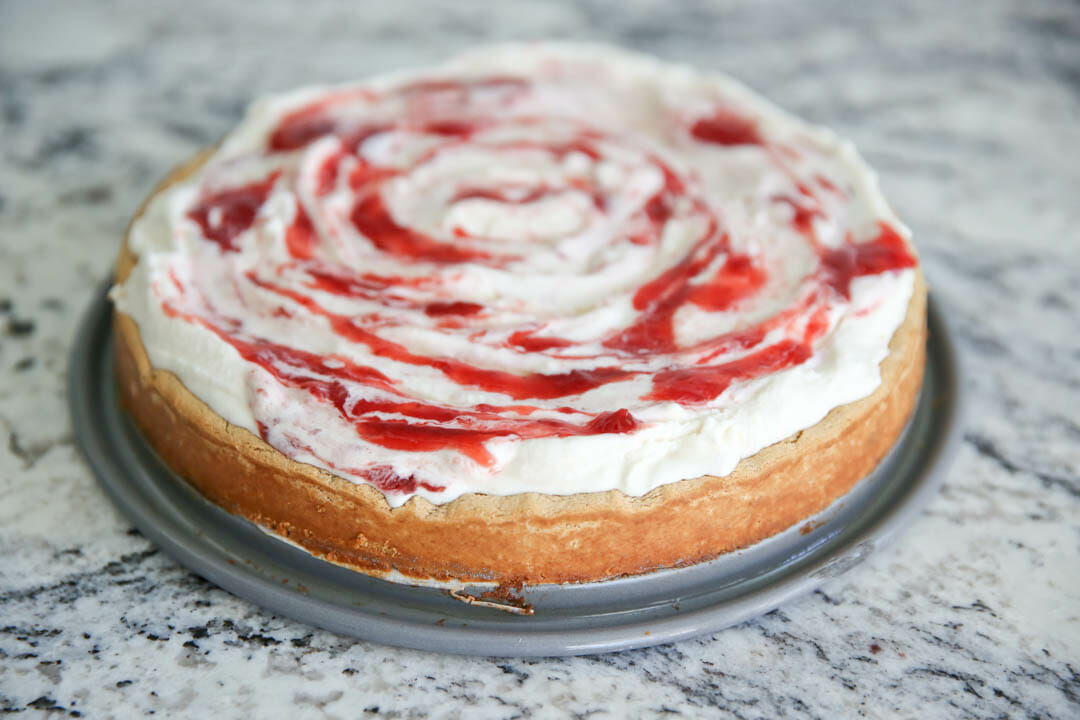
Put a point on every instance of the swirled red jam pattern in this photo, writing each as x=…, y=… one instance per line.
x=351, y=183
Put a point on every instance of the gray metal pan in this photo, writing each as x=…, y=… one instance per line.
x=618, y=614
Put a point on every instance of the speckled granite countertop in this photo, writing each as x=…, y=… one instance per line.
x=971, y=113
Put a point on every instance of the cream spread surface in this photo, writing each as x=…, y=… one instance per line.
x=546, y=268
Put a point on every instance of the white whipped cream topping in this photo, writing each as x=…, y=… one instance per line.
x=568, y=277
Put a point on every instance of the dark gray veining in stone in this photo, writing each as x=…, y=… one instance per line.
x=970, y=112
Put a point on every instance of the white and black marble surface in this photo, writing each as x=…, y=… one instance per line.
x=971, y=113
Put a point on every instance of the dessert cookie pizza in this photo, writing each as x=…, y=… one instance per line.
x=542, y=313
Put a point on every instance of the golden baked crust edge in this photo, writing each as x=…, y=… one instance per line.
x=530, y=537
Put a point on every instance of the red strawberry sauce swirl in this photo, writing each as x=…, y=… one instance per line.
x=482, y=262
